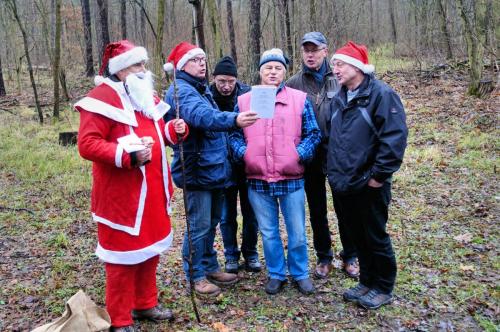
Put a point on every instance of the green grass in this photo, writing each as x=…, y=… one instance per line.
x=382, y=58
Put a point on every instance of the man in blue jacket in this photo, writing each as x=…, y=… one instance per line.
x=367, y=133
x=226, y=88
x=207, y=166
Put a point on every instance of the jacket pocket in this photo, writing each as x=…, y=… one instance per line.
x=212, y=168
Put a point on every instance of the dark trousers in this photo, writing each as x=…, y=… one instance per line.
x=348, y=253
x=315, y=188
x=365, y=215
x=229, y=223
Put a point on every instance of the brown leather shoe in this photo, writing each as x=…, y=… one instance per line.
x=323, y=270
x=352, y=269
x=205, y=287
x=155, y=314
x=222, y=278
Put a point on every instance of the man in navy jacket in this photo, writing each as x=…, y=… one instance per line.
x=367, y=133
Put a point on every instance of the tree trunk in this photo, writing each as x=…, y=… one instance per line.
x=123, y=18
x=312, y=15
x=87, y=32
x=57, y=59
x=158, y=57
x=288, y=33
x=198, y=23
x=372, y=28
x=143, y=24
x=230, y=28
x=254, y=41
x=215, y=26
x=103, y=22
x=444, y=28
x=2, y=84
x=474, y=48
x=393, y=24
x=13, y=7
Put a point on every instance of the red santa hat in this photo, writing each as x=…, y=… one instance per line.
x=120, y=55
x=181, y=54
x=355, y=55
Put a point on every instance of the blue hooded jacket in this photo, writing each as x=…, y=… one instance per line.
x=206, y=150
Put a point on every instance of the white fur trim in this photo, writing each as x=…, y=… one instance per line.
x=188, y=56
x=118, y=156
x=96, y=106
x=168, y=67
x=134, y=256
x=127, y=59
x=167, y=133
x=367, y=69
x=164, y=166
x=98, y=80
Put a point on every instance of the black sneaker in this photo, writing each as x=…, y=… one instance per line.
x=353, y=294
x=274, y=286
x=305, y=286
x=232, y=266
x=374, y=299
x=253, y=265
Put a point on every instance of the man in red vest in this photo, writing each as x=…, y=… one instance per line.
x=122, y=132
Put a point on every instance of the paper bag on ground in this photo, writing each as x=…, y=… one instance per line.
x=81, y=314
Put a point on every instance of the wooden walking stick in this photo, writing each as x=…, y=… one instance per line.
x=184, y=196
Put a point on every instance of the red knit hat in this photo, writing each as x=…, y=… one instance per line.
x=120, y=55
x=181, y=54
x=355, y=55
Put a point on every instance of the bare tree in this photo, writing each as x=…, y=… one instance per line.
x=13, y=8
x=230, y=28
x=392, y=15
x=57, y=58
x=2, y=84
x=254, y=40
x=103, y=22
x=215, y=25
x=198, y=23
x=87, y=32
x=123, y=18
x=312, y=15
x=444, y=27
x=158, y=57
x=288, y=34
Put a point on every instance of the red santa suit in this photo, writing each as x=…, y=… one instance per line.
x=130, y=204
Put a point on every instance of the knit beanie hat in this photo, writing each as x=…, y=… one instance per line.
x=181, y=54
x=226, y=66
x=274, y=54
x=355, y=55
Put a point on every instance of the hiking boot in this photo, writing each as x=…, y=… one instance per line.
x=353, y=294
x=232, y=266
x=274, y=286
x=351, y=269
x=374, y=299
x=253, y=265
x=323, y=270
x=222, y=278
x=155, y=314
x=205, y=287
x=129, y=328
x=305, y=286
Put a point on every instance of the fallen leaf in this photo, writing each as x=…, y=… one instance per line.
x=467, y=267
x=463, y=238
x=220, y=327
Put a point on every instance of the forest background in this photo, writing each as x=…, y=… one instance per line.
x=440, y=55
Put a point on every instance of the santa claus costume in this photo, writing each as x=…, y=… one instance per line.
x=129, y=202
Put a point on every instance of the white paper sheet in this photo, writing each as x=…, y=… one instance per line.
x=131, y=143
x=263, y=100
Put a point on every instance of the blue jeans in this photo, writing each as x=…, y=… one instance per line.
x=229, y=224
x=266, y=210
x=204, y=213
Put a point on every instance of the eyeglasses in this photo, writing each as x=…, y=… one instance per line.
x=198, y=60
x=314, y=51
x=225, y=82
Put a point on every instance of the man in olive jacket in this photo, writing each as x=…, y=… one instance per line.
x=317, y=80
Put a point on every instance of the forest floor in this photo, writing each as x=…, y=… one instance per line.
x=444, y=222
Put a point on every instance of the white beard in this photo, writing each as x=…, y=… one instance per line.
x=140, y=88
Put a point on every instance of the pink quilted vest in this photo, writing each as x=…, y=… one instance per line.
x=271, y=153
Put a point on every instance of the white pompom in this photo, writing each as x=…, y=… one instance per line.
x=368, y=69
x=168, y=67
x=98, y=80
